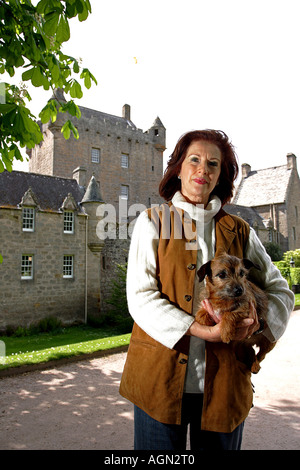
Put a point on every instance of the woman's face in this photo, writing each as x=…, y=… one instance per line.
x=200, y=171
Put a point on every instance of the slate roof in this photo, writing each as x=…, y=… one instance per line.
x=248, y=214
x=49, y=191
x=262, y=187
x=105, y=117
x=92, y=193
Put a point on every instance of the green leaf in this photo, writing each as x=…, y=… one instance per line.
x=49, y=112
x=6, y=108
x=51, y=23
x=7, y=163
x=75, y=90
x=40, y=8
x=28, y=74
x=1, y=259
x=67, y=128
x=87, y=76
x=63, y=30
x=76, y=67
x=37, y=77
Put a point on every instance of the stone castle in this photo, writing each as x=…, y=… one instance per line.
x=54, y=263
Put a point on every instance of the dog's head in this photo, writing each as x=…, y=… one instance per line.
x=227, y=275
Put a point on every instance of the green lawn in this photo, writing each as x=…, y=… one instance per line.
x=72, y=341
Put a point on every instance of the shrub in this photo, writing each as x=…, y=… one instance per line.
x=295, y=276
x=117, y=299
x=284, y=269
x=118, y=314
x=295, y=254
x=274, y=251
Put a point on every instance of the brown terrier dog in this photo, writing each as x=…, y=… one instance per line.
x=231, y=294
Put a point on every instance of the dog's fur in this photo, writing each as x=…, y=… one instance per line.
x=230, y=294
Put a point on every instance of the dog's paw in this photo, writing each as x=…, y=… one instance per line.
x=227, y=333
x=226, y=337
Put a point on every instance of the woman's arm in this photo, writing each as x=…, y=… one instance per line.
x=281, y=298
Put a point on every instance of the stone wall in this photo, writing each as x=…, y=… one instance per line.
x=276, y=213
x=26, y=301
x=293, y=211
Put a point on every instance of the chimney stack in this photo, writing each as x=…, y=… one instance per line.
x=291, y=161
x=126, y=112
x=79, y=174
x=245, y=170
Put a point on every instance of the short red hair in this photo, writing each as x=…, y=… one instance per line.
x=229, y=166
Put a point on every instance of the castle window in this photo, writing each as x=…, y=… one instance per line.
x=124, y=160
x=27, y=267
x=156, y=132
x=294, y=234
x=124, y=191
x=68, y=222
x=68, y=266
x=95, y=155
x=28, y=219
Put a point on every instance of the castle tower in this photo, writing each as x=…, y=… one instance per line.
x=126, y=162
x=90, y=202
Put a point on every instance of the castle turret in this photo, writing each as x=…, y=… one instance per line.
x=90, y=202
x=158, y=134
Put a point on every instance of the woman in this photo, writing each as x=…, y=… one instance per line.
x=178, y=372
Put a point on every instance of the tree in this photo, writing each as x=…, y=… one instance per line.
x=31, y=39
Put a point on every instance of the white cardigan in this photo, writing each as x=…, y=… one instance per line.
x=166, y=323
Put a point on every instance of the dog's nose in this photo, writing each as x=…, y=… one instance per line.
x=238, y=290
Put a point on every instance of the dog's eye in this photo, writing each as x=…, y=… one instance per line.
x=242, y=273
x=222, y=275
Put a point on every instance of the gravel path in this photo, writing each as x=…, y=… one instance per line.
x=77, y=405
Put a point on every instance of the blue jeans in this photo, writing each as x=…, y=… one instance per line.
x=150, y=434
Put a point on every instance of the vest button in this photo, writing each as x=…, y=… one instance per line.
x=191, y=266
x=188, y=298
x=183, y=361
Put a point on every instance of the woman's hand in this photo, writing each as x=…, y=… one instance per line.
x=245, y=328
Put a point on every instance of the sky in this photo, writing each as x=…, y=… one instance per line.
x=221, y=64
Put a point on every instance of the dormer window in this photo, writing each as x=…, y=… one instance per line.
x=68, y=222
x=28, y=214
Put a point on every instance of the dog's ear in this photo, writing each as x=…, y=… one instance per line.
x=205, y=270
x=249, y=264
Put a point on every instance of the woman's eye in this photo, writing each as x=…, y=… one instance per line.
x=195, y=159
x=214, y=163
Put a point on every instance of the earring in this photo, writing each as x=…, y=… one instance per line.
x=179, y=177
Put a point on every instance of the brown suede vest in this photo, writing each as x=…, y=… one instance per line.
x=154, y=375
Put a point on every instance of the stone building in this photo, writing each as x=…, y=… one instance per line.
x=55, y=263
x=126, y=161
x=274, y=194
x=48, y=267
